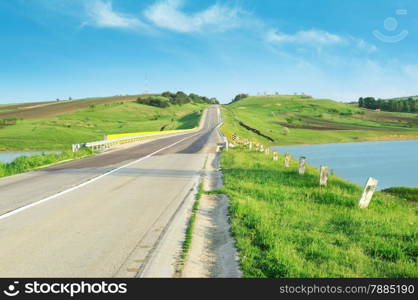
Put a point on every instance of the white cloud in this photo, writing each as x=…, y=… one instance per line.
x=101, y=14
x=363, y=45
x=318, y=38
x=305, y=37
x=168, y=14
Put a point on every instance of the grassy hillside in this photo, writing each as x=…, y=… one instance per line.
x=288, y=119
x=45, y=109
x=285, y=225
x=58, y=125
x=407, y=193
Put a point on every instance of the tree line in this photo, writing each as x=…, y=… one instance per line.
x=400, y=105
x=167, y=98
x=239, y=97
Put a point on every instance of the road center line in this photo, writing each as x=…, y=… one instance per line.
x=18, y=210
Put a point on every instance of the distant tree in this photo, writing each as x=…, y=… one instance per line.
x=156, y=101
x=396, y=105
x=361, y=102
x=181, y=98
x=239, y=97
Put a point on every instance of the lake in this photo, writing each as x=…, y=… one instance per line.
x=7, y=157
x=393, y=163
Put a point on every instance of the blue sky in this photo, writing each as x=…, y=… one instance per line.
x=327, y=48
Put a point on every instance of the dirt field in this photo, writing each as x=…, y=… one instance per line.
x=392, y=119
x=314, y=123
x=45, y=109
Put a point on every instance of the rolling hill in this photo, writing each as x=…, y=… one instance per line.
x=292, y=119
x=57, y=125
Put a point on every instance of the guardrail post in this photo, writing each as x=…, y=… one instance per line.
x=323, y=176
x=287, y=158
x=368, y=192
x=302, y=164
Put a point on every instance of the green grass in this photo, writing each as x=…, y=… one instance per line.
x=26, y=163
x=286, y=225
x=58, y=132
x=189, y=230
x=293, y=120
x=407, y=193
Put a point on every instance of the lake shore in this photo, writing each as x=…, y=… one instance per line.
x=287, y=225
x=359, y=161
x=393, y=138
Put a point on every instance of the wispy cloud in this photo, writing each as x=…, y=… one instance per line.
x=101, y=14
x=168, y=14
x=317, y=38
x=305, y=37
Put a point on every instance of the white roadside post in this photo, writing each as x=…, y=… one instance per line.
x=368, y=192
x=250, y=146
x=262, y=148
x=323, y=177
x=275, y=156
x=226, y=143
x=302, y=163
x=287, y=159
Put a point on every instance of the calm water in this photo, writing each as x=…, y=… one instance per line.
x=7, y=157
x=393, y=163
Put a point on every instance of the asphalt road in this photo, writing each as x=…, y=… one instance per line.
x=99, y=216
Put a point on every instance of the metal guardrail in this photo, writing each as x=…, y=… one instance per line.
x=107, y=143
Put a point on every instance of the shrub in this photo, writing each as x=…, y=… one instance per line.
x=181, y=98
x=157, y=101
x=239, y=97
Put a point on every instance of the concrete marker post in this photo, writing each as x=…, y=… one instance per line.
x=226, y=143
x=323, y=176
x=302, y=165
x=368, y=192
x=287, y=159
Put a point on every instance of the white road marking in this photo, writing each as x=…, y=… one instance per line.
x=18, y=210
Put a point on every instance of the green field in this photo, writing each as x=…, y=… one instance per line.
x=42, y=129
x=291, y=119
x=407, y=193
x=285, y=225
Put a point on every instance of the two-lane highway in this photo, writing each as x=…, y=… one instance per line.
x=100, y=216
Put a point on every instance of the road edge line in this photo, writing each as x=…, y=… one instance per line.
x=23, y=208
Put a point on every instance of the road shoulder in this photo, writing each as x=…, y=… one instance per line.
x=212, y=253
